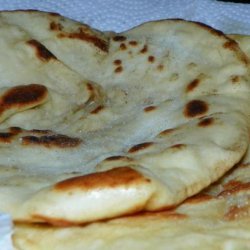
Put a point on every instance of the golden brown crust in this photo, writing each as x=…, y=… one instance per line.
x=52, y=221
x=206, y=122
x=195, y=108
x=97, y=109
x=234, y=187
x=167, y=131
x=237, y=212
x=192, y=85
x=123, y=46
x=119, y=69
x=150, y=108
x=109, y=179
x=42, y=52
x=49, y=141
x=199, y=198
x=55, y=26
x=140, y=147
x=178, y=146
x=119, y=38
x=133, y=43
x=151, y=59
x=83, y=35
x=144, y=49
x=23, y=95
x=6, y=137
x=117, y=62
x=117, y=157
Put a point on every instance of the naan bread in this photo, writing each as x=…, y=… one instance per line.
x=37, y=94
x=65, y=38
x=167, y=116
x=218, y=218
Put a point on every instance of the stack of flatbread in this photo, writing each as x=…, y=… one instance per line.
x=150, y=125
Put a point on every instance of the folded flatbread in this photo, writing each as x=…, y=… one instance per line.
x=217, y=218
x=158, y=113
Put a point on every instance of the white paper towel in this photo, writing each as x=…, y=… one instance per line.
x=5, y=232
x=119, y=15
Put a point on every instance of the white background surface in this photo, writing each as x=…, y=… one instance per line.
x=119, y=15
x=5, y=232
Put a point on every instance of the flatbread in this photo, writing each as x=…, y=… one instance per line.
x=65, y=38
x=167, y=116
x=37, y=92
x=217, y=218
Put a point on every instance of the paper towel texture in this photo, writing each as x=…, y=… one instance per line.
x=5, y=232
x=119, y=15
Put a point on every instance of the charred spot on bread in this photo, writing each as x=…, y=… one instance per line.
x=49, y=141
x=195, y=108
x=23, y=95
x=41, y=51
